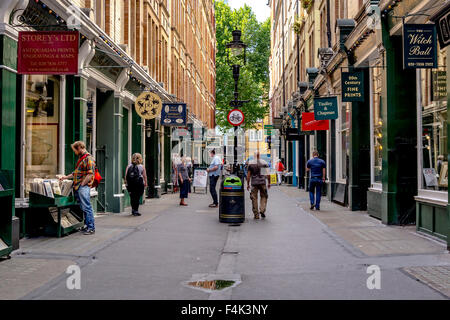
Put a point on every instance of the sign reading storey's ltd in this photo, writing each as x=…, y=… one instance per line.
x=48, y=52
x=310, y=124
x=174, y=114
x=325, y=108
x=352, y=86
x=419, y=46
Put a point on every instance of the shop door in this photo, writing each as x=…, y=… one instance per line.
x=101, y=189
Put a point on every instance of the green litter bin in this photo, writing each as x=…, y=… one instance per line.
x=231, y=203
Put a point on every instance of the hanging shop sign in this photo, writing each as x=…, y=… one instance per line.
x=148, y=105
x=47, y=52
x=310, y=124
x=352, y=86
x=277, y=123
x=235, y=117
x=439, y=86
x=325, y=108
x=419, y=46
x=173, y=114
x=443, y=28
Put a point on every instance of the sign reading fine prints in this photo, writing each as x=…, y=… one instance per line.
x=419, y=46
x=173, y=114
x=48, y=52
x=352, y=86
x=325, y=108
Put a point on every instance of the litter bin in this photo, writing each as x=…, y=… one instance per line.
x=232, y=205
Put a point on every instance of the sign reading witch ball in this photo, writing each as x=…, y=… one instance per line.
x=419, y=46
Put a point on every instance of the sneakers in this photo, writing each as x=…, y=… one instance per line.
x=256, y=217
x=89, y=232
x=263, y=215
x=312, y=207
x=83, y=229
x=212, y=205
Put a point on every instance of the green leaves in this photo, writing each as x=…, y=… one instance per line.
x=254, y=76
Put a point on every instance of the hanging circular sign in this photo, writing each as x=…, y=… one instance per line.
x=235, y=117
x=148, y=105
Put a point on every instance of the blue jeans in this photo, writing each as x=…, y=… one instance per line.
x=83, y=197
x=315, y=186
x=212, y=188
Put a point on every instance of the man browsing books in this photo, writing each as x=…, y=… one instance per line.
x=83, y=177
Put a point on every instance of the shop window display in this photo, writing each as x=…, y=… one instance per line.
x=377, y=134
x=42, y=105
x=434, y=153
x=345, y=139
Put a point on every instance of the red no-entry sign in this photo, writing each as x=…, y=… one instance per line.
x=235, y=117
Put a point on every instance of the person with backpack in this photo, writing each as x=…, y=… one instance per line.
x=136, y=181
x=84, y=177
x=258, y=173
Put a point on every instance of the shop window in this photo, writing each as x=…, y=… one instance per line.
x=433, y=144
x=377, y=123
x=344, y=137
x=42, y=103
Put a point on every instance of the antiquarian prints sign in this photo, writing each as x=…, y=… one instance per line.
x=419, y=46
x=48, y=52
x=173, y=114
x=439, y=86
x=148, y=105
x=352, y=86
x=325, y=108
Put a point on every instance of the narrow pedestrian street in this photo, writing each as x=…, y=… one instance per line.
x=294, y=254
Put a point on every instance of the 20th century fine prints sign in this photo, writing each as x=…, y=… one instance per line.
x=352, y=86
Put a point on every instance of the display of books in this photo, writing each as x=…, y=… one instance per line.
x=67, y=218
x=50, y=187
x=2, y=245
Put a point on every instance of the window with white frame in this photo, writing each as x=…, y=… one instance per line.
x=377, y=123
x=433, y=151
x=343, y=142
x=255, y=135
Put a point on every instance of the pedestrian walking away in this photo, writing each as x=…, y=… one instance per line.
x=83, y=178
x=317, y=167
x=280, y=170
x=184, y=180
x=214, y=173
x=136, y=182
x=258, y=174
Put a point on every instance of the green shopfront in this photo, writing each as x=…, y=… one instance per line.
x=404, y=173
x=42, y=114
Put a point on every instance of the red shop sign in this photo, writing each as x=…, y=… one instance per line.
x=309, y=124
x=48, y=52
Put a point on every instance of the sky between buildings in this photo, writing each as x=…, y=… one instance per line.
x=259, y=7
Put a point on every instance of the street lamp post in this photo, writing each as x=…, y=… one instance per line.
x=236, y=54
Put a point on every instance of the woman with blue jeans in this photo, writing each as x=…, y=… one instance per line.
x=83, y=177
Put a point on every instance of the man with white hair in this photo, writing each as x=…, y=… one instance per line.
x=258, y=173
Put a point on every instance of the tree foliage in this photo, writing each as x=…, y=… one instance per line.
x=254, y=76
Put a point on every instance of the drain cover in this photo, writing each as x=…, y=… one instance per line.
x=213, y=282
